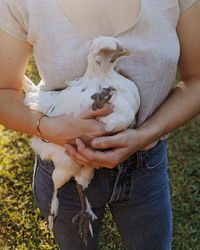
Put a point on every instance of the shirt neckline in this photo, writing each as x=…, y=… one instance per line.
x=90, y=37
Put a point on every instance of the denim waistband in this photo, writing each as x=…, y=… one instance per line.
x=134, y=161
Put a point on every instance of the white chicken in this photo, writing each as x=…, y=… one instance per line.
x=100, y=84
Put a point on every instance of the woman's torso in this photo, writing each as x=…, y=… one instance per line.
x=61, y=46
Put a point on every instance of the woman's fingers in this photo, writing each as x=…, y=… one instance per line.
x=77, y=157
x=106, y=159
x=119, y=147
x=106, y=110
x=73, y=152
x=112, y=141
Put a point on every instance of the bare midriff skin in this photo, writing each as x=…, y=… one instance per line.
x=108, y=17
x=181, y=106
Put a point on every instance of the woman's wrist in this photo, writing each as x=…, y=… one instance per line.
x=57, y=129
x=44, y=127
x=38, y=125
x=148, y=135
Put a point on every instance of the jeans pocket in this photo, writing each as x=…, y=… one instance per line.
x=155, y=157
x=42, y=188
x=42, y=172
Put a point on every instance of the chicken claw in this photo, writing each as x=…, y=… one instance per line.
x=85, y=226
x=85, y=216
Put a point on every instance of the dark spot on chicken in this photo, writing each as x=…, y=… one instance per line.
x=82, y=90
x=102, y=97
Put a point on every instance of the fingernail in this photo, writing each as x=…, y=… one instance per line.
x=67, y=150
x=77, y=142
x=67, y=153
x=95, y=142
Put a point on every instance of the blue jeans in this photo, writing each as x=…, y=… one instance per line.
x=136, y=191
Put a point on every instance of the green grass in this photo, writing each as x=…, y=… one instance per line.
x=22, y=227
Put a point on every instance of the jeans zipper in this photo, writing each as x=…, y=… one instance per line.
x=115, y=185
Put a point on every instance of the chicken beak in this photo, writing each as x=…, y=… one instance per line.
x=120, y=51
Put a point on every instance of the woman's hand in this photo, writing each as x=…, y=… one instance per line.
x=116, y=148
x=65, y=129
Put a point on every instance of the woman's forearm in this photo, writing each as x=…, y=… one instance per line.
x=15, y=115
x=59, y=130
x=180, y=107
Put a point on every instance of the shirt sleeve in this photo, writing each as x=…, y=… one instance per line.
x=185, y=4
x=12, y=19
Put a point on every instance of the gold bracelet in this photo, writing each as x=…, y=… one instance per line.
x=38, y=128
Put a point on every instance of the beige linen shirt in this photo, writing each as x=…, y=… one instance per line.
x=60, y=50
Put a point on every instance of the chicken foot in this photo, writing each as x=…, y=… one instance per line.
x=85, y=216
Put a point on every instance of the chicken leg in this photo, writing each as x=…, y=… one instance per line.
x=85, y=216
